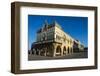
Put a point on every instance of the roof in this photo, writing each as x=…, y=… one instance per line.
x=48, y=26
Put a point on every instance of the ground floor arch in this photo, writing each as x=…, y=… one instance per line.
x=58, y=51
x=68, y=50
x=52, y=49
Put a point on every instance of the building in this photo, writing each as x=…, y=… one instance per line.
x=53, y=41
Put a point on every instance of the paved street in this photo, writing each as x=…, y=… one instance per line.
x=72, y=56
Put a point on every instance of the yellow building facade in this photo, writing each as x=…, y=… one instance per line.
x=53, y=41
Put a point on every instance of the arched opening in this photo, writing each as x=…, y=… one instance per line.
x=64, y=50
x=58, y=51
x=32, y=52
x=29, y=52
x=68, y=50
x=71, y=50
x=43, y=52
x=37, y=53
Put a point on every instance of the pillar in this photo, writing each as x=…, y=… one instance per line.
x=72, y=50
x=54, y=50
x=45, y=53
x=39, y=52
x=61, y=51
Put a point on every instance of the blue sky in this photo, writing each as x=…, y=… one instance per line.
x=76, y=27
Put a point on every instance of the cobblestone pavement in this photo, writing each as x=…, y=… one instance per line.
x=72, y=56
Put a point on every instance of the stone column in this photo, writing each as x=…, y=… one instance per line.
x=72, y=50
x=34, y=52
x=45, y=52
x=54, y=50
x=69, y=50
x=61, y=51
x=39, y=52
